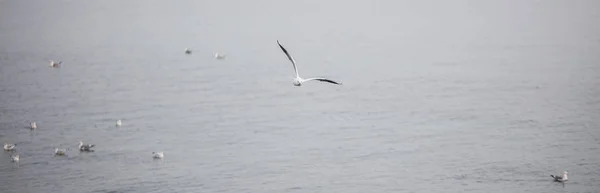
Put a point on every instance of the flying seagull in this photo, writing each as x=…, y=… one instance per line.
x=32, y=125
x=188, y=51
x=298, y=80
x=119, y=123
x=562, y=178
x=85, y=147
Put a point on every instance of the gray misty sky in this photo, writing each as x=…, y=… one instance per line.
x=416, y=22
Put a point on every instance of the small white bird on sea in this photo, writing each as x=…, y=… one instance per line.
x=9, y=146
x=60, y=152
x=158, y=155
x=119, y=123
x=562, y=178
x=85, y=147
x=298, y=80
x=33, y=125
x=219, y=56
x=15, y=158
x=54, y=64
x=188, y=51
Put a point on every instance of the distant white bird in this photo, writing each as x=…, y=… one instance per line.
x=219, y=56
x=60, y=152
x=9, y=147
x=33, y=125
x=15, y=158
x=158, y=155
x=54, y=64
x=85, y=147
x=119, y=123
x=298, y=80
x=188, y=51
x=562, y=178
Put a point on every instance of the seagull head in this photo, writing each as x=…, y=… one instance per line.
x=565, y=173
x=297, y=82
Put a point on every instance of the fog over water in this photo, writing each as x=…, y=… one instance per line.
x=437, y=96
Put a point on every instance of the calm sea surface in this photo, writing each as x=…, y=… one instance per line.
x=438, y=96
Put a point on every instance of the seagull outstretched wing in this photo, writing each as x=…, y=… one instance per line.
x=324, y=80
x=289, y=57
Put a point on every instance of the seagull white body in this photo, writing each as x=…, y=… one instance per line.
x=9, y=147
x=118, y=123
x=54, y=64
x=188, y=51
x=158, y=155
x=85, y=147
x=219, y=56
x=562, y=178
x=299, y=80
x=15, y=158
x=33, y=125
x=60, y=152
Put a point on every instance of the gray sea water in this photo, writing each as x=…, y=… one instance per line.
x=437, y=96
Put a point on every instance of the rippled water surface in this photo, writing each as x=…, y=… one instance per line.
x=438, y=96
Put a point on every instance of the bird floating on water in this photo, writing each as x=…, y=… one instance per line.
x=54, y=64
x=188, y=51
x=562, y=178
x=85, y=147
x=9, y=146
x=15, y=158
x=158, y=155
x=60, y=152
x=298, y=80
x=219, y=56
x=33, y=125
x=119, y=123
